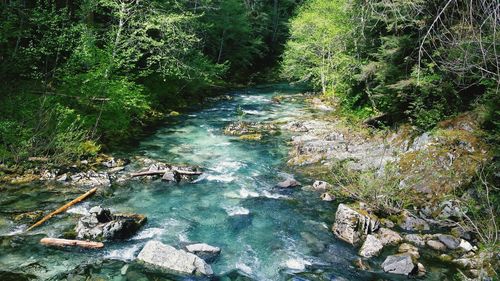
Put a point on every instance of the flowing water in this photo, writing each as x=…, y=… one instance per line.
x=264, y=233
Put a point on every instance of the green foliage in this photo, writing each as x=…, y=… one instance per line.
x=417, y=61
x=89, y=72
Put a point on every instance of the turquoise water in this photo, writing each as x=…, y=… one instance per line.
x=264, y=233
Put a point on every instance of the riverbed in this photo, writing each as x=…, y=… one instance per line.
x=265, y=233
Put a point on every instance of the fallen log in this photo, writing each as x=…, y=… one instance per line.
x=161, y=172
x=64, y=208
x=66, y=242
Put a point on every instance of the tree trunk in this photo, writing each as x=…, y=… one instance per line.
x=220, y=46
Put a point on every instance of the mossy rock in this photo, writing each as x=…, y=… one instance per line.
x=27, y=178
x=29, y=216
x=251, y=137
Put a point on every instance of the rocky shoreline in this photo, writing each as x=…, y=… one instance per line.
x=420, y=163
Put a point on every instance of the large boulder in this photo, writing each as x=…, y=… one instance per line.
x=351, y=225
x=204, y=251
x=100, y=224
x=168, y=258
x=398, y=264
x=371, y=247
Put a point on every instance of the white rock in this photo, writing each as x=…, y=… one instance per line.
x=169, y=258
x=350, y=225
x=204, y=251
x=465, y=245
x=371, y=247
x=321, y=185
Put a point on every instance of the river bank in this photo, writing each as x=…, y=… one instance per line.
x=265, y=231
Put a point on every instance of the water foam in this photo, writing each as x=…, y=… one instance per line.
x=237, y=211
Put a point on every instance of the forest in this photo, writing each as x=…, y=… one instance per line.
x=280, y=131
x=82, y=76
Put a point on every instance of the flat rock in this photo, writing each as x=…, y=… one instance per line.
x=371, y=247
x=288, y=183
x=204, y=251
x=388, y=237
x=415, y=239
x=170, y=259
x=450, y=241
x=436, y=245
x=351, y=225
x=398, y=264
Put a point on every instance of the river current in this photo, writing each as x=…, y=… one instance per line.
x=265, y=233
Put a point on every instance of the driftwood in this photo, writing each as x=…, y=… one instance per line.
x=161, y=172
x=64, y=208
x=67, y=242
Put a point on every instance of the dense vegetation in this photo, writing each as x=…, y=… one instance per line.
x=79, y=75
x=417, y=61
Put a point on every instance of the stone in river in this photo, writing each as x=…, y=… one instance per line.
x=371, y=247
x=351, y=225
x=398, y=264
x=204, y=251
x=168, y=258
x=288, y=183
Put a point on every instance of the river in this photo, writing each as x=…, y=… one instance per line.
x=264, y=233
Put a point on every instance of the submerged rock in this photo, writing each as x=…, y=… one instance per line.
x=288, y=183
x=248, y=128
x=168, y=258
x=371, y=247
x=100, y=224
x=398, y=264
x=204, y=251
x=351, y=225
x=410, y=250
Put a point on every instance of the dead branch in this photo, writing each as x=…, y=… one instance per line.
x=64, y=208
x=66, y=242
